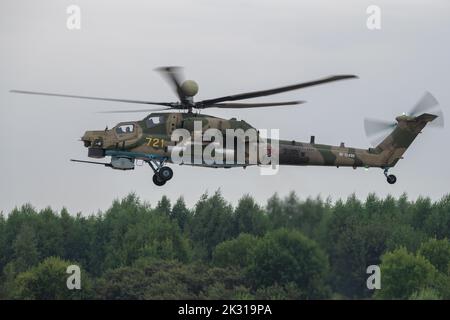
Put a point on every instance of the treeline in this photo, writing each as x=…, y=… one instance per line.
x=288, y=249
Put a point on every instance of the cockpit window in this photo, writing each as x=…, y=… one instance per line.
x=125, y=128
x=154, y=121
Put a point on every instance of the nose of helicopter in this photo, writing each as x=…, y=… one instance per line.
x=87, y=142
x=95, y=142
x=93, y=138
x=87, y=139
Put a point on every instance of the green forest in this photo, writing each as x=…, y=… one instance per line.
x=286, y=248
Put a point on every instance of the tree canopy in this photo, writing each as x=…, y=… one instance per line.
x=287, y=248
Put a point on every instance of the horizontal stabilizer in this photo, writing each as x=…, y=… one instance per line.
x=426, y=117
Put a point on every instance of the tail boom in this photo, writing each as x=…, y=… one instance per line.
x=385, y=155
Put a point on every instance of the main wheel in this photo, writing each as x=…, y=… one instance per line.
x=158, y=181
x=165, y=173
x=391, y=179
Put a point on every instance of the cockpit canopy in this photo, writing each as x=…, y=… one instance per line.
x=125, y=128
x=154, y=120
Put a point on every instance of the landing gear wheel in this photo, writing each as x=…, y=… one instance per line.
x=158, y=180
x=391, y=179
x=165, y=173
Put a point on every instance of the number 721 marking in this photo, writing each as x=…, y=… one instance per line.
x=155, y=142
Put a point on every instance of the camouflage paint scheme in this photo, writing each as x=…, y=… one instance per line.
x=149, y=138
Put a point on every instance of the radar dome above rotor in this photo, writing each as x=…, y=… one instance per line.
x=190, y=88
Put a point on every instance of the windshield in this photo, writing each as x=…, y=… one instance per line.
x=125, y=128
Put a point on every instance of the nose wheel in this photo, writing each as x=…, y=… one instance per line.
x=390, y=178
x=162, y=173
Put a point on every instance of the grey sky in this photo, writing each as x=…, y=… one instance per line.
x=227, y=47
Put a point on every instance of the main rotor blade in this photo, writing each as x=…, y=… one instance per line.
x=169, y=104
x=133, y=111
x=253, y=105
x=175, y=77
x=375, y=127
x=424, y=104
x=255, y=94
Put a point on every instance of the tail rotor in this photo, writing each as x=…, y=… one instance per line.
x=376, y=130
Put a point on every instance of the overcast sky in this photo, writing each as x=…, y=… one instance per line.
x=227, y=47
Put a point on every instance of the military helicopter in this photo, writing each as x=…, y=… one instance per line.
x=149, y=140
